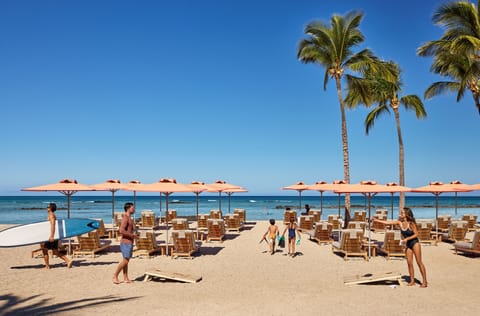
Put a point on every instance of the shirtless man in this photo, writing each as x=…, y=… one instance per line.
x=52, y=244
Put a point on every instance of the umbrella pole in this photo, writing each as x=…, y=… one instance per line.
x=321, y=204
x=166, y=220
x=369, y=223
x=392, y=208
x=456, y=203
x=160, y=208
x=229, y=195
x=436, y=214
x=113, y=209
x=197, y=193
x=338, y=204
x=220, y=201
x=68, y=216
x=300, y=201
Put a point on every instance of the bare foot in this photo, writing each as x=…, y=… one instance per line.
x=115, y=280
x=411, y=284
x=69, y=264
x=424, y=284
x=128, y=281
x=47, y=268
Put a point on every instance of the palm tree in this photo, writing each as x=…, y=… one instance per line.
x=456, y=53
x=376, y=88
x=331, y=47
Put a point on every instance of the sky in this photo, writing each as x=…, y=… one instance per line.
x=213, y=89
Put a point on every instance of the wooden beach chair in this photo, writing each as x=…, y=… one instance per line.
x=471, y=219
x=443, y=222
x=456, y=232
x=359, y=216
x=102, y=231
x=335, y=220
x=317, y=215
x=216, y=214
x=306, y=223
x=289, y=214
x=183, y=244
x=242, y=213
x=424, y=228
x=357, y=225
x=146, y=245
x=391, y=245
x=171, y=214
x=148, y=219
x=376, y=226
x=91, y=244
x=180, y=224
x=350, y=244
x=472, y=248
x=232, y=222
x=322, y=232
x=202, y=221
x=216, y=229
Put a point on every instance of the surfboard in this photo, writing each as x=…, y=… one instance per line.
x=35, y=233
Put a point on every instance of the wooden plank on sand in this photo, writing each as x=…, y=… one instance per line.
x=374, y=277
x=175, y=276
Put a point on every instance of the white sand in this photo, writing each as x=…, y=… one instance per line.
x=239, y=278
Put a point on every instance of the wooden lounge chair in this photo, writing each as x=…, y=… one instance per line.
x=443, y=223
x=91, y=245
x=471, y=219
x=350, y=244
x=306, y=223
x=216, y=214
x=148, y=219
x=335, y=220
x=424, y=228
x=391, y=244
x=180, y=224
x=377, y=226
x=469, y=247
x=171, y=214
x=183, y=243
x=456, y=232
x=242, y=213
x=232, y=222
x=202, y=221
x=359, y=216
x=357, y=225
x=317, y=215
x=102, y=231
x=322, y=232
x=146, y=245
x=216, y=229
x=289, y=214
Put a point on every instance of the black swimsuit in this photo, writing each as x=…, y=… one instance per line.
x=408, y=233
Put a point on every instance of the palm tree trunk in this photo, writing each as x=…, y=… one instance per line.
x=346, y=162
x=401, y=158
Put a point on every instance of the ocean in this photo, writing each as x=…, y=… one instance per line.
x=28, y=209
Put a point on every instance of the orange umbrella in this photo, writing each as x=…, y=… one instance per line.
x=231, y=191
x=198, y=187
x=67, y=187
x=299, y=186
x=395, y=187
x=134, y=185
x=335, y=185
x=112, y=186
x=437, y=188
x=220, y=186
x=319, y=186
x=458, y=184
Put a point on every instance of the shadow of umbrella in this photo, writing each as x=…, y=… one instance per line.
x=220, y=186
x=167, y=187
x=437, y=188
x=66, y=187
x=368, y=189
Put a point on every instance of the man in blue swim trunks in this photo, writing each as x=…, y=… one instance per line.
x=126, y=243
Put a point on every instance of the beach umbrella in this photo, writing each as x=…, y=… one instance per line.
x=113, y=186
x=66, y=187
x=320, y=187
x=300, y=187
x=369, y=188
x=167, y=187
x=220, y=186
x=395, y=188
x=460, y=185
x=437, y=188
x=335, y=185
x=231, y=191
x=134, y=185
x=197, y=188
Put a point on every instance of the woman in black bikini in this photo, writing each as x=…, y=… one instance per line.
x=408, y=229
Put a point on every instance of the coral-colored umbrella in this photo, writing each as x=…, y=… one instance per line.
x=67, y=187
x=220, y=186
x=113, y=186
x=231, y=191
x=300, y=187
x=320, y=186
x=197, y=188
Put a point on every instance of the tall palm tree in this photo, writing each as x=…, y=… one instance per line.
x=376, y=88
x=330, y=46
x=456, y=53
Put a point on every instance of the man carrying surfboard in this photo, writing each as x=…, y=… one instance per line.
x=126, y=243
x=52, y=244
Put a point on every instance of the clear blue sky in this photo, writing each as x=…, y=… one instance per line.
x=206, y=90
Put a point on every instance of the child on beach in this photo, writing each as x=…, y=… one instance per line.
x=126, y=243
x=52, y=244
x=408, y=229
x=272, y=233
x=292, y=233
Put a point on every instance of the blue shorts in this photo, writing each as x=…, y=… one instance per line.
x=127, y=250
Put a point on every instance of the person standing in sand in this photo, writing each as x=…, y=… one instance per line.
x=408, y=229
x=272, y=233
x=126, y=243
x=292, y=233
x=52, y=244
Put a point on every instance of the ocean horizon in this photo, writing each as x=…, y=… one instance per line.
x=28, y=209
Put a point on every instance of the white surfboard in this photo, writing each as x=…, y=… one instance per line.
x=35, y=233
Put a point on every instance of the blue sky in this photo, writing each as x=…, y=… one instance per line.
x=206, y=90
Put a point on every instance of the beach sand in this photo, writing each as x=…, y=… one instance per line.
x=240, y=277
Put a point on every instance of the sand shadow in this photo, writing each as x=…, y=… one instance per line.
x=35, y=305
x=230, y=236
x=208, y=251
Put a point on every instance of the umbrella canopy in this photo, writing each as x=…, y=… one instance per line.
x=299, y=186
x=220, y=186
x=320, y=187
x=231, y=191
x=67, y=187
x=113, y=186
x=135, y=186
x=395, y=187
x=197, y=188
x=458, y=184
x=335, y=185
x=437, y=188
